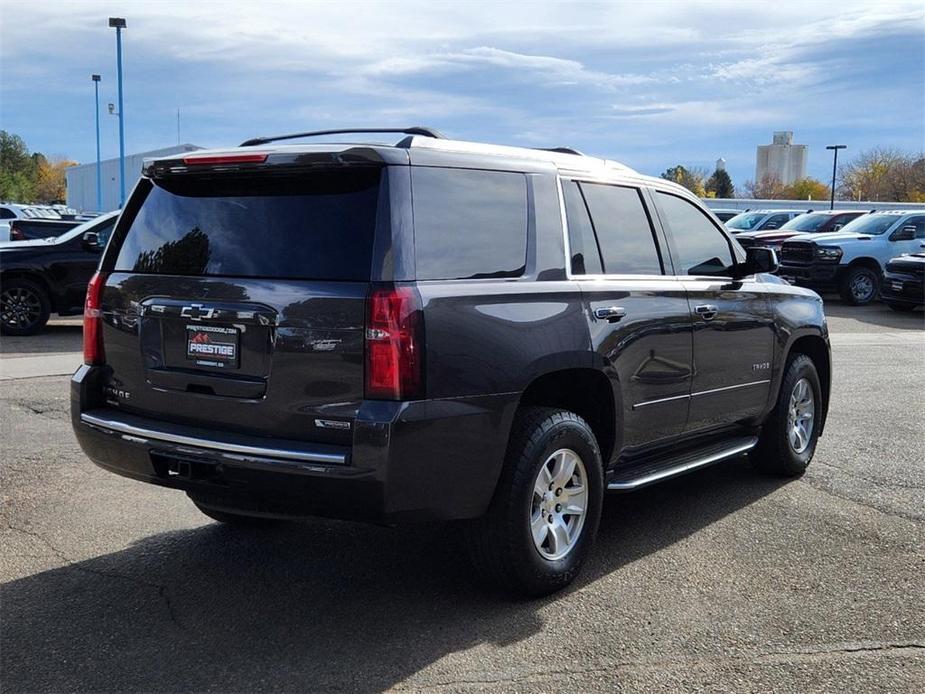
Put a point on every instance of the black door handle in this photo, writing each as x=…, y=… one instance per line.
x=707, y=311
x=610, y=314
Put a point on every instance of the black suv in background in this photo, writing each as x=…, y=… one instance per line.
x=437, y=330
x=50, y=275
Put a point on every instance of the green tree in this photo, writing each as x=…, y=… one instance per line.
x=692, y=179
x=720, y=185
x=806, y=189
x=17, y=169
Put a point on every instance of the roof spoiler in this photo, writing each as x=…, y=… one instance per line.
x=414, y=130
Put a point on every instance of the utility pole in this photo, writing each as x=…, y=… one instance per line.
x=99, y=172
x=834, y=149
x=118, y=23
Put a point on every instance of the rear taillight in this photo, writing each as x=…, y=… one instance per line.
x=93, y=321
x=394, y=341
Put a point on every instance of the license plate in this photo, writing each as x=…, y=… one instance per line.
x=212, y=345
x=897, y=286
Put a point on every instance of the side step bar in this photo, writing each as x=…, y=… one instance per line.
x=634, y=477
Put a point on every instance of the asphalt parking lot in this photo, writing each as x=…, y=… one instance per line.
x=721, y=580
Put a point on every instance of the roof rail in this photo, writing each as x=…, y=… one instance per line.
x=414, y=130
x=561, y=150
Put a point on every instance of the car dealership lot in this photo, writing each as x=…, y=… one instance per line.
x=721, y=579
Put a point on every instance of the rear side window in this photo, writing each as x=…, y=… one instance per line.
x=702, y=248
x=586, y=257
x=469, y=224
x=6, y=213
x=624, y=232
x=313, y=226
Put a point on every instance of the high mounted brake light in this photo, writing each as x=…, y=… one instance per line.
x=93, y=321
x=394, y=342
x=214, y=159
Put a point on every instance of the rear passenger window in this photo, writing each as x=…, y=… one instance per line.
x=469, y=224
x=702, y=248
x=586, y=258
x=624, y=232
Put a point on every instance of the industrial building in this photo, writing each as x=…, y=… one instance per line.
x=81, y=180
x=781, y=159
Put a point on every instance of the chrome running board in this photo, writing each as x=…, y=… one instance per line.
x=637, y=476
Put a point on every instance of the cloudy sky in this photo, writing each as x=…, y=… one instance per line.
x=649, y=84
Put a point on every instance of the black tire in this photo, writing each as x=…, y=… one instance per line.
x=854, y=280
x=238, y=520
x=902, y=308
x=24, y=307
x=774, y=453
x=501, y=543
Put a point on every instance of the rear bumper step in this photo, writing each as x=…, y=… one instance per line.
x=637, y=476
x=139, y=430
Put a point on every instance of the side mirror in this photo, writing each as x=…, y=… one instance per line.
x=907, y=233
x=91, y=241
x=758, y=259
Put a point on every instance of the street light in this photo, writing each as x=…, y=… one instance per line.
x=834, y=149
x=118, y=23
x=99, y=175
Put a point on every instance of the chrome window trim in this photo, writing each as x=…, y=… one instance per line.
x=134, y=432
x=640, y=186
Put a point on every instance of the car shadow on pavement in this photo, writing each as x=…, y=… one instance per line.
x=322, y=605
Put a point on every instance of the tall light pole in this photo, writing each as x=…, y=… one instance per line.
x=118, y=23
x=99, y=173
x=834, y=149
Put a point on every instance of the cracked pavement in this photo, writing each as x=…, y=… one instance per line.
x=721, y=580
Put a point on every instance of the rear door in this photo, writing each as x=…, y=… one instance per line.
x=732, y=323
x=638, y=314
x=237, y=301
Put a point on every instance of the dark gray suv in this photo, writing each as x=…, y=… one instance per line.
x=437, y=330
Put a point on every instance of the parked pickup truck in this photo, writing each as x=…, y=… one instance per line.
x=851, y=261
x=28, y=229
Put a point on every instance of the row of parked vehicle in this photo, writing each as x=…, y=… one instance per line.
x=860, y=254
x=24, y=222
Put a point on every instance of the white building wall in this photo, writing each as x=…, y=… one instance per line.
x=81, y=180
x=782, y=159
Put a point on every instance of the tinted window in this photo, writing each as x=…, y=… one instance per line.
x=918, y=223
x=586, y=258
x=776, y=221
x=317, y=226
x=6, y=213
x=623, y=230
x=469, y=224
x=702, y=248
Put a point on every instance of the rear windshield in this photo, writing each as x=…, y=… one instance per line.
x=313, y=226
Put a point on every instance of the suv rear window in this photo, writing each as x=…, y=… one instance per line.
x=469, y=224
x=312, y=226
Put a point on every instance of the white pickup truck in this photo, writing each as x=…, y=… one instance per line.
x=851, y=260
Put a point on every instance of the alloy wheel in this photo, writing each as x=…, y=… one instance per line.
x=19, y=308
x=800, y=416
x=560, y=502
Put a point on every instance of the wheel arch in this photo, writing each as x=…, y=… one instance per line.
x=587, y=392
x=36, y=277
x=816, y=348
x=865, y=261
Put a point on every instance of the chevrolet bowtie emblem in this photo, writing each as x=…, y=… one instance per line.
x=197, y=312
